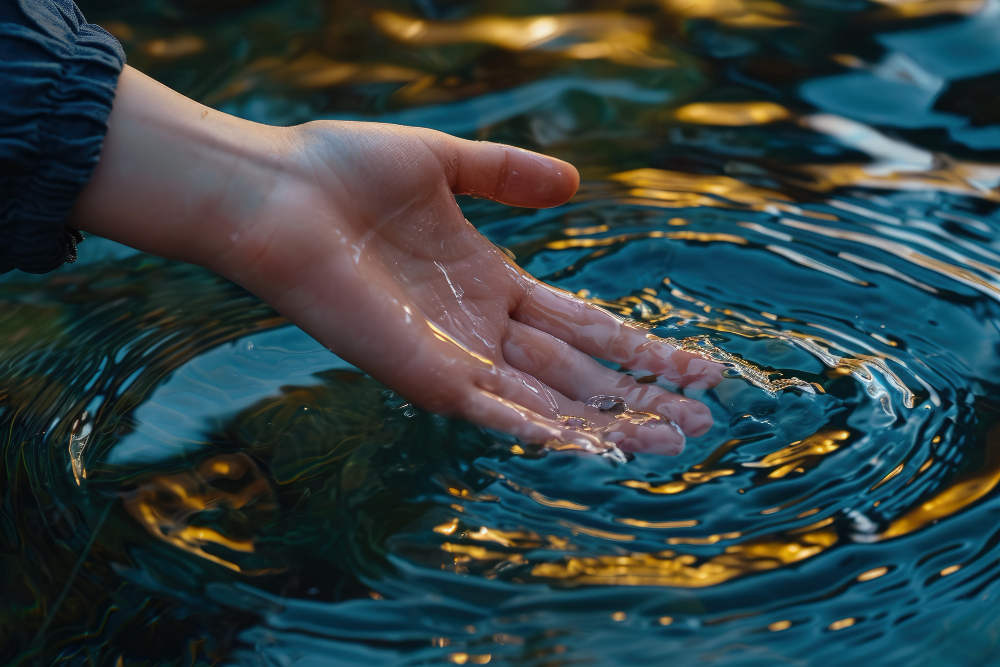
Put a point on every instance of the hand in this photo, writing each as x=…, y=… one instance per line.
x=351, y=230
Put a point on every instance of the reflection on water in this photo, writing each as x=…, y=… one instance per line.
x=804, y=191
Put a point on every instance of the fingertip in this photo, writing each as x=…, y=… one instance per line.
x=694, y=417
x=655, y=437
x=702, y=374
x=537, y=180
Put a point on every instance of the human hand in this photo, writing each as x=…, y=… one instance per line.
x=351, y=230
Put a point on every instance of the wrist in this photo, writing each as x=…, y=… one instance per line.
x=175, y=177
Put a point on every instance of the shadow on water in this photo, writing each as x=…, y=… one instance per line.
x=805, y=190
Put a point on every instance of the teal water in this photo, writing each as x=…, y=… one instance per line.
x=810, y=187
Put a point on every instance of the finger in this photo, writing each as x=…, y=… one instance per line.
x=488, y=410
x=646, y=435
x=597, y=332
x=504, y=173
x=580, y=378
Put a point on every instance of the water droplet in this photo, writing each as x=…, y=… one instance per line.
x=613, y=404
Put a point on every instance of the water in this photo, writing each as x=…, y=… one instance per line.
x=806, y=190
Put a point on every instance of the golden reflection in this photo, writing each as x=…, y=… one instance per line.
x=736, y=13
x=702, y=237
x=802, y=453
x=614, y=36
x=962, y=493
x=667, y=568
x=778, y=626
x=555, y=502
x=514, y=539
x=658, y=524
x=444, y=337
x=175, y=47
x=315, y=70
x=166, y=505
x=470, y=552
x=963, y=178
x=688, y=480
x=576, y=528
x=873, y=574
x=666, y=620
x=841, y=624
x=469, y=658
x=892, y=473
x=312, y=70
x=711, y=539
x=682, y=190
x=732, y=113
x=446, y=528
x=952, y=569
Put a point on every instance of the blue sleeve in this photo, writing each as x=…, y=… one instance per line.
x=57, y=81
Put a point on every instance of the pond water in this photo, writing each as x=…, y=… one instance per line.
x=806, y=188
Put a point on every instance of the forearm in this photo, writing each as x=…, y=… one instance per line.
x=170, y=170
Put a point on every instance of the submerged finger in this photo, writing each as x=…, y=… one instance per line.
x=580, y=378
x=637, y=432
x=598, y=333
x=489, y=410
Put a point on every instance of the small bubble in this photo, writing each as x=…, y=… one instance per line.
x=612, y=404
x=250, y=345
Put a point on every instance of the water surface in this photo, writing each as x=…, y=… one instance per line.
x=808, y=188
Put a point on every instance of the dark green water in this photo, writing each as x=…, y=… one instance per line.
x=187, y=479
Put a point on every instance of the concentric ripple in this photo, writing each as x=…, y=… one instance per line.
x=186, y=478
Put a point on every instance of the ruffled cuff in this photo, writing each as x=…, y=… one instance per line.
x=58, y=80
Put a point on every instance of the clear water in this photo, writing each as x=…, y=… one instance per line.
x=809, y=186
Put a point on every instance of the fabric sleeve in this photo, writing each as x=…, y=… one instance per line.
x=57, y=82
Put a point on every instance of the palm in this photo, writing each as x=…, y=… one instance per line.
x=438, y=313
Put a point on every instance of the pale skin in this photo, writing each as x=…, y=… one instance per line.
x=352, y=232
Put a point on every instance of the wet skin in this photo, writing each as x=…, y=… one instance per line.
x=352, y=232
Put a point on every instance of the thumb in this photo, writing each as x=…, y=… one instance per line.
x=506, y=174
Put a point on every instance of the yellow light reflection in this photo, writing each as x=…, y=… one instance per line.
x=732, y=113
x=873, y=574
x=175, y=47
x=667, y=568
x=892, y=473
x=962, y=493
x=681, y=189
x=687, y=481
x=702, y=237
x=165, y=505
x=800, y=453
x=469, y=659
x=736, y=13
x=841, y=624
x=658, y=524
x=614, y=36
